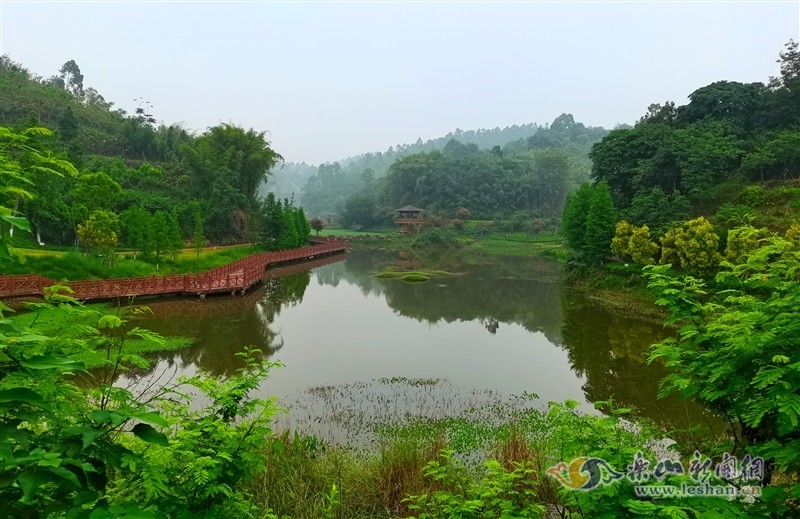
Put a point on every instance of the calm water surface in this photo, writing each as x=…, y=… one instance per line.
x=358, y=349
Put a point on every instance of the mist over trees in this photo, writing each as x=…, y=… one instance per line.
x=497, y=172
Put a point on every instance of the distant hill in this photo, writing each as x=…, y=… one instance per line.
x=350, y=173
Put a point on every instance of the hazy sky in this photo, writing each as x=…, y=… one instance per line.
x=336, y=79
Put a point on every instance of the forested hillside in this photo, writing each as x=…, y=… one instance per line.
x=327, y=188
x=291, y=178
x=530, y=175
x=136, y=184
x=693, y=174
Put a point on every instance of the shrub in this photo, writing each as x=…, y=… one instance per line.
x=622, y=236
x=435, y=238
x=742, y=241
x=697, y=245
x=641, y=248
x=669, y=248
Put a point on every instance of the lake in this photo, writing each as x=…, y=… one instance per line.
x=359, y=351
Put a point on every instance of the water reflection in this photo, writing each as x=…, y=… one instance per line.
x=505, y=325
x=223, y=326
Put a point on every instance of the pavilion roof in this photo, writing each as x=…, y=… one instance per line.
x=409, y=209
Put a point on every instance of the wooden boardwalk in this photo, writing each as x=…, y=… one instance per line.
x=237, y=276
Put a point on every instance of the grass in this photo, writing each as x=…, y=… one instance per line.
x=492, y=244
x=516, y=244
x=374, y=482
x=412, y=276
x=348, y=232
x=77, y=266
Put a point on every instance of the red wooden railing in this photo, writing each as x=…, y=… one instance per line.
x=234, y=277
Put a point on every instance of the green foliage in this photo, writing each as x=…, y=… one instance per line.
x=741, y=243
x=589, y=222
x=641, y=248
x=600, y=223
x=92, y=192
x=574, y=220
x=77, y=450
x=519, y=168
x=126, y=160
x=99, y=233
x=621, y=239
x=359, y=211
x=728, y=131
x=736, y=352
x=658, y=210
x=435, y=238
x=204, y=467
x=793, y=234
x=499, y=493
x=697, y=245
x=198, y=233
x=135, y=223
x=669, y=247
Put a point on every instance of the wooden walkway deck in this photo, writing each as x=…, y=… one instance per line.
x=237, y=276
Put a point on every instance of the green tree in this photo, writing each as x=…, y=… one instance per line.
x=271, y=221
x=621, y=240
x=573, y=222
x=359, y=211
x=159, y=233
x=658, y=210
x=135, y=222
x=71, y=78
x=697, y=245
x=669, y=247
x=317, y=224
x=641, y=248
x=288, y=236
x=99, y=234
x=24, y=170
x=94, y=191
x=198, y=234
x=174, y=237
x=302, y=227
x=600, y=223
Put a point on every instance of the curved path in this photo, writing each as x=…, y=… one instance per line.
x=237, y=276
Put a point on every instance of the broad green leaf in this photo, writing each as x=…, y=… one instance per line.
x=21, y=394
x=152, y=417
x=31, y=337
x=18, y=221
x=66, y=475
x=50, y=362
x=30, y=481
x=88, y=437
x=150, y=435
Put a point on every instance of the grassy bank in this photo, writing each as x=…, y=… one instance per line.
x=76, y=266
x=439, y=468
x=490, y=244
